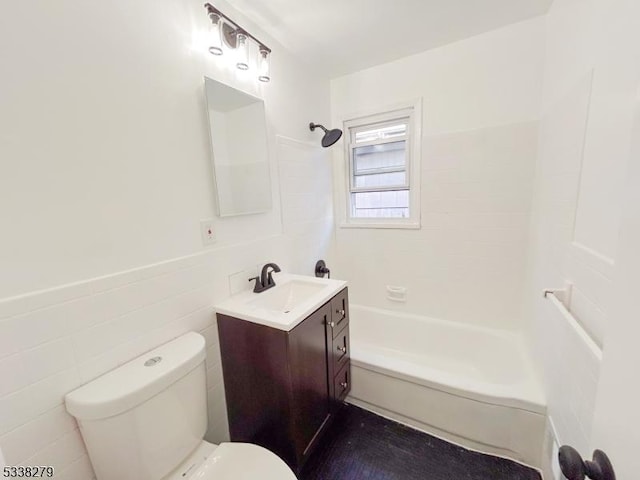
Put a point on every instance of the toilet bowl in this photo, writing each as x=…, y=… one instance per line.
x=237, y=461
x=146, y=420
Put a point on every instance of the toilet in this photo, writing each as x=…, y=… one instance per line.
x=146, y=420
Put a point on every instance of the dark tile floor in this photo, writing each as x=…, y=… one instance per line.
x=363, y=446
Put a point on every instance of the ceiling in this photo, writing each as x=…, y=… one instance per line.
x=344, y=36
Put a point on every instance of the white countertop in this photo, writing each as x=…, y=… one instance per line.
x=284, y=306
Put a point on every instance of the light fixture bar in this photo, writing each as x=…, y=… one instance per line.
x=211, y=9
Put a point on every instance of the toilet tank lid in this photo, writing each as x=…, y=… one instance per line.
x=138, y=380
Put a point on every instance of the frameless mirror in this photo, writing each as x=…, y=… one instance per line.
x=240, y=158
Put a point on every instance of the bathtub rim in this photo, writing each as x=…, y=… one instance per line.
x=468, y=394
x=488, y=428
x=525, y=394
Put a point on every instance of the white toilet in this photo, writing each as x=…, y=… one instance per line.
x=146, y=420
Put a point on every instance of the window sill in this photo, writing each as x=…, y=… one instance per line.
x=384, y=225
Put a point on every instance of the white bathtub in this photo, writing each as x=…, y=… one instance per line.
x=472, y=385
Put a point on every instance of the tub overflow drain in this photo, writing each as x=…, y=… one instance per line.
x=153, y=362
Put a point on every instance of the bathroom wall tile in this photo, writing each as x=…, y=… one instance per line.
x=570, y=371
x=149, y=291
x=213, y=356
x=61, y=453
x=239, y=281
x=107, y=335
x=588, y=314
x=217, y=405
x=48, y=359
x=591, y=282
x=127, y=298
x=12, y=336
x=79, y=470
x=42, y=299
x=12, y=374
x=28, y=439
x=193, y=322
x=100, y=364
x=210, y=335
x=198, y=320
x=214, y=376
x=49, y=393
x=57, y=321
x=570, y=362
x=476, y=207
x=99, y=339
x=305, y=190
x=15, y=409
x=136, y=275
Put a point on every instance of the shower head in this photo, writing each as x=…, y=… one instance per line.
x=330, y=136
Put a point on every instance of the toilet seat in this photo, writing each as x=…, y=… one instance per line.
x=242, y=461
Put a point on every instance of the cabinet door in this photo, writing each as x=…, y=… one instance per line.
x=310, y=380
x=257, y=384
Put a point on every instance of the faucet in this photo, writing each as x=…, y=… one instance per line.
x=265, y=280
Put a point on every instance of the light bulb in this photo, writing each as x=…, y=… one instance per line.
x=263, y=65
x=242, y=53
x=215, y=41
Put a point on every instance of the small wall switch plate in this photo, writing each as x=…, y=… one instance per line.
x=207, y=231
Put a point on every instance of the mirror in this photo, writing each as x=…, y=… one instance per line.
x=240, y=157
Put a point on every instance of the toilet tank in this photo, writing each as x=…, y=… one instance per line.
x=141, y=420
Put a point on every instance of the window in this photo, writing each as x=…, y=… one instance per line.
x=383, y=170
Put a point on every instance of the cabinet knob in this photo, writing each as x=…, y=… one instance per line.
x=342, y=349
x=332, y=324
x=344, y=385
x=341, y=312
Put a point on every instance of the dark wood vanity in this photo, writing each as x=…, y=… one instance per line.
x=284, y=388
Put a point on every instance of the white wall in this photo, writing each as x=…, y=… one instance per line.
x=103, y=137
x=105, y=174
x=583, y=149
x=481, y=100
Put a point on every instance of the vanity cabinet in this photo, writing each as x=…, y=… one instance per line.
x=283, y=388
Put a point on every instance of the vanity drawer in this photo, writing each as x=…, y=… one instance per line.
x=341, y=350
x=339, y=312
x=342, y=383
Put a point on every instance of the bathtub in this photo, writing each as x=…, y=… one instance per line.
x=472, y=385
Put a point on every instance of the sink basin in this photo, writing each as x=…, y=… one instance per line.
x=284, y=298
x=284, y=306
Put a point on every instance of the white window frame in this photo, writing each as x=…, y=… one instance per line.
x=412, y=111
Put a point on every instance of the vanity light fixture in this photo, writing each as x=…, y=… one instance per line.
x=215, y=46
x=263, y=64
x=226, y=31
x=242, y=53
